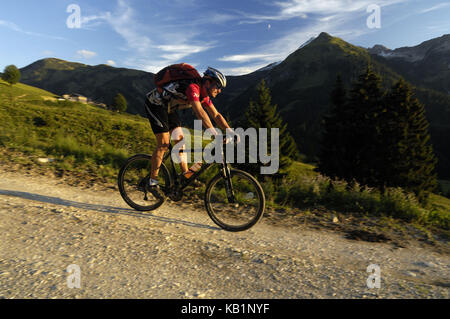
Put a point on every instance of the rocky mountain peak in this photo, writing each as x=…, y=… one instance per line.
x=379, y=49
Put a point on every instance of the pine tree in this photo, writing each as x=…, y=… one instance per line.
x=409, y=157
x=262, y=114
x=378, y=140
x=350, y=144
x=333, y=143
x=366, y=106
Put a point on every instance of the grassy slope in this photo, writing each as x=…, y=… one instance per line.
x=100, y=83
x=95, y=142
x=79, y=136
x=23, y=91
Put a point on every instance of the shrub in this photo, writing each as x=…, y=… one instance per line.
x=310, y=191
x=68, y=145
x=111, y=155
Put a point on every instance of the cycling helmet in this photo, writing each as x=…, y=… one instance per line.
x=216, y=75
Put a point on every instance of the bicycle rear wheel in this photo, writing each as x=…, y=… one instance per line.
x=237, y=208
x=133, y=177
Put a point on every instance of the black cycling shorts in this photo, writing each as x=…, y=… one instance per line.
x=160, y=120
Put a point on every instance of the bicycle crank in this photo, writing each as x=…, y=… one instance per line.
x=176, y=196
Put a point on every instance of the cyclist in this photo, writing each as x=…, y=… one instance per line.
x=165, y=122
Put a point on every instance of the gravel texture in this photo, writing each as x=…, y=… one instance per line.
x=178, y=252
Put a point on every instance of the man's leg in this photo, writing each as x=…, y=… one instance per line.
x=177, y=136
x=162, y=146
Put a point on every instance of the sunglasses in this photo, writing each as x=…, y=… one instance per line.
x=218, y=85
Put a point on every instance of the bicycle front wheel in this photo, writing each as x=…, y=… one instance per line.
x=235, y=206
x=132, y=181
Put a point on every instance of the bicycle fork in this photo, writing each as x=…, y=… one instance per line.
x=228, y=185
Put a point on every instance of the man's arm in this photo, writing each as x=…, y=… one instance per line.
x=217, y=117
x=221, y=122
x=203, y=116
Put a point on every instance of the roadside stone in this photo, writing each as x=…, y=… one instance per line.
x=425, y=264
x=259, y=261
x=43, y=160
x=410, y=273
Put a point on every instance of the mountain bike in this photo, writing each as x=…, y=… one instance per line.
x=233, y=198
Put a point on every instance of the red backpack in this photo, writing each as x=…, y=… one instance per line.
x=175, y=72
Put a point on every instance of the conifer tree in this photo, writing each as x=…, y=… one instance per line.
x=350, y=144
x=409, y=157
x=332, y=161
x=364, y=151
x=263, y=114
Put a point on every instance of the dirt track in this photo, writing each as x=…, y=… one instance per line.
x=177, y=252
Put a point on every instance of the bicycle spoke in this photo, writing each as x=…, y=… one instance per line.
x=133, y=179
x=238, y=208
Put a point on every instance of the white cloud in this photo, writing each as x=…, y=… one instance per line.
x=10, y=25
x=243, y=69
x=433, y=8
x=305, y=8
x=205, y=19
x=294, y=8
x=86, y=20
x=145, y=53
x=111, y=63
x=16, y=28
x=247, y=57
x=85, y=54
x=332, y=16
x=176, y=52
x=145, y=64
x=298, y=7
x=122, y=21
x=180, y=47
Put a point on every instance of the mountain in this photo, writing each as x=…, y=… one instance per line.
x=307, y=42
x=427, y=64
x=269, y=67
x=379, y=50
x=100, y=83
x=300, y=85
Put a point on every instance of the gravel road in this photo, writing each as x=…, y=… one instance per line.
x=178, y=252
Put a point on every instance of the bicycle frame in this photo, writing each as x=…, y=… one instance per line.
x=225, y=171
x=247, y=213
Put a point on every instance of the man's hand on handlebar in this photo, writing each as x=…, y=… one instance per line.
x=228, y=139
x=231, y=137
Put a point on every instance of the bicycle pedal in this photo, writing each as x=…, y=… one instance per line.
x=195, y=183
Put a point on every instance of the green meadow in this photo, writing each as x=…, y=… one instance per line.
x=84, y=139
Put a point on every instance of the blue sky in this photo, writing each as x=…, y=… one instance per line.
x=235, y=36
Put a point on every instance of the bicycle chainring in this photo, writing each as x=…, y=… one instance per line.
x=176, y=196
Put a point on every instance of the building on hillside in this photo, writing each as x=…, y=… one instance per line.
x=80, y=98
x=98, y=104
x=75, y=98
